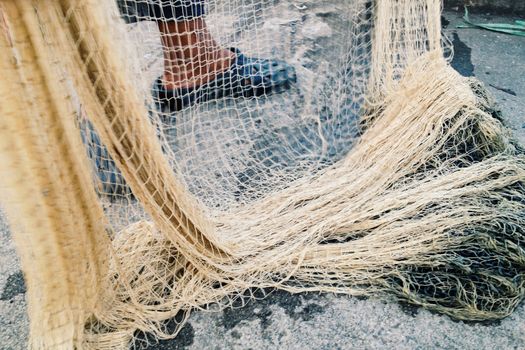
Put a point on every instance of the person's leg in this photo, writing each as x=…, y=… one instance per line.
x=196, y=68
x=191, y=56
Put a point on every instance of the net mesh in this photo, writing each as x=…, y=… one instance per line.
x=160, y=156
x=231, y=151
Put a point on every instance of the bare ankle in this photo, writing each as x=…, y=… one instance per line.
x=191, y=56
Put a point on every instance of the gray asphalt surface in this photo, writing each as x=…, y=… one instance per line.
x=307, y=321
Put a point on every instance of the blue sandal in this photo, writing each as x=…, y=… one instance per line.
x=247, y=77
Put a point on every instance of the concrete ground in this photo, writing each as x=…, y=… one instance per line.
x=307, y=321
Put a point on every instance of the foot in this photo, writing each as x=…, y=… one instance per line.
x=243, y=77
x=198, y=69
x=192, y=74
x=191, y=56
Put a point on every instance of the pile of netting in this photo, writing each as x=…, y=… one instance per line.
x=381, y=171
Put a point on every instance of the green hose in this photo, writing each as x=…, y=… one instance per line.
x=518, y=28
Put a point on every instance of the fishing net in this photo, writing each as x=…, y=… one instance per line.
x=370, y=168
